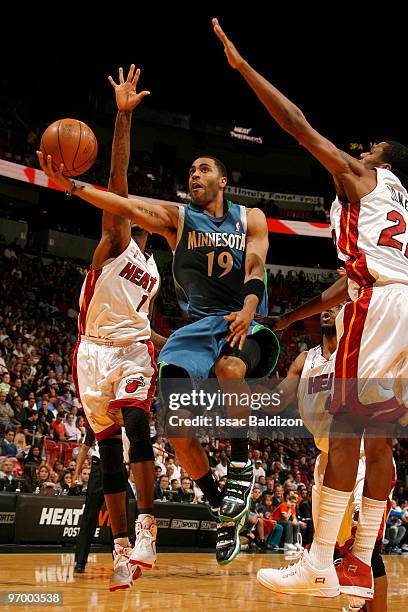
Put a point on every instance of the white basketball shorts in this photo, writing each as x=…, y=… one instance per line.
x=109, y=377
x=371, y=368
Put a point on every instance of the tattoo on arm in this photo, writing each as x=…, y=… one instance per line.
x=146, y=211
x=346, y=158
x=121, y=146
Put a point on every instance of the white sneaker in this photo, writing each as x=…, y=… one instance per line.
x=122, y=577
x=144, y=551
x=288, y=546
x=293, y=554
x=299, y=543
x=301, y=577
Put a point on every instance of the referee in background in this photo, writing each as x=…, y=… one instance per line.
x=94, y=497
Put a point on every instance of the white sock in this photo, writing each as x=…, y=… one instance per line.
x=122, y=542
x=332, y=506
x=369, y=521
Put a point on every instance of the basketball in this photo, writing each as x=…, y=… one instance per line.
x=72, y=143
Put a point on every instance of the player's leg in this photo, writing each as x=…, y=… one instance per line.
x=339, y=480
x=355, y=572
x=377, y=486
x=344, y=448
x=189, y=450
x=114, y=483
x=134, y=381
x=230, y=369
x=141, y=459
x=307, y=575
x=195, y=460
x=379, y=603
x=382, y=352
x=92, y=368
x=89, y=520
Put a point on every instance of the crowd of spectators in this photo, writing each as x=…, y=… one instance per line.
x=42, y=421
x=151, y=175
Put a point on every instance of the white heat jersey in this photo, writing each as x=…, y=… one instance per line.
x=114, y=302
x=371, y=234
x=314, y=395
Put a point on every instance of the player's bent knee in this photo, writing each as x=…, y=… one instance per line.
x=138, y=431
x=114, y=477
x=230, y=367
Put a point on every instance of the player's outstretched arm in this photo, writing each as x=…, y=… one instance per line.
x=255, y=256
x=332, y=296
x=155, y=219
x=127, y=99
x=288, y=115
x=116, y=229
x=286, y=388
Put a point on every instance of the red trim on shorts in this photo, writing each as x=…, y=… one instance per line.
x=345, y=393
x=356, y=264
x=109, y=431
x=91, y=279
x=75, y=368
x=348, y=350
x=150, y=348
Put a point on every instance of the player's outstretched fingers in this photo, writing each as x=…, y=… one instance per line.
x=112, y=82
x=219, y=31
x=41, y=160
x=136, y=77
x=130, y=73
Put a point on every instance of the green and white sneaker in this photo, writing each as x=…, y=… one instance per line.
x=238, y=490
x=228, y=542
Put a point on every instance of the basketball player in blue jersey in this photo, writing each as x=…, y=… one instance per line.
x=219, y=255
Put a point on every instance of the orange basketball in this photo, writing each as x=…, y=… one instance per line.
x=72, y=143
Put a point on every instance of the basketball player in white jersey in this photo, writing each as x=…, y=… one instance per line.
x=309, y=382
x=369, y=218
x=114, y=365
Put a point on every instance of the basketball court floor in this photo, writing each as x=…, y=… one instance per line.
x=189, y=581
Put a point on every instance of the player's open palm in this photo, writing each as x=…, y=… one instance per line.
x=235, y=59
x=126, y=95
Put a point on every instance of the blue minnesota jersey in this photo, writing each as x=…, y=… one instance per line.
x=209, y=261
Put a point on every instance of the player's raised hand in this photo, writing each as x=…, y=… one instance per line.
x=55, y=175
x=235, y=59
x=125, y=91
